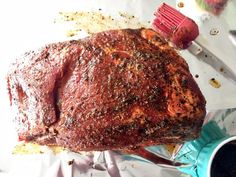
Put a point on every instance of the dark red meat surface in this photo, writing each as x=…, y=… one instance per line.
x=113, y=90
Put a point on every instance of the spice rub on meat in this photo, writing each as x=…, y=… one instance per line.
x=113, y=90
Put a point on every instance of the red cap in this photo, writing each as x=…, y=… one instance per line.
x=185, y=33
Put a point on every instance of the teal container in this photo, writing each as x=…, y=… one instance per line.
x=199, y=154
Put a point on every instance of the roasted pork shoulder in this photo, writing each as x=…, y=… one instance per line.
x=118, y=89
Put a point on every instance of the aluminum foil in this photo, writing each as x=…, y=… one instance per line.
x=27, y=24
x=107, y=163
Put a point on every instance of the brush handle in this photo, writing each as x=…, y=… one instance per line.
x=155, y=158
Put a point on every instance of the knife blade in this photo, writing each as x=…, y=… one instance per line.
x=206, y=56
x=232, y=37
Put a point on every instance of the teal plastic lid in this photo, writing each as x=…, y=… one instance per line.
x=199, y=153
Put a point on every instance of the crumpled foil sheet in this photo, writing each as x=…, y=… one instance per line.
x=30, y=24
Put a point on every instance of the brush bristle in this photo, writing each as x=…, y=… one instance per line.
x=168, y=18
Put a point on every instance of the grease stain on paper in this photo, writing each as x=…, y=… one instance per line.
x=214, y=83
x=33, y=148
x=94, y=22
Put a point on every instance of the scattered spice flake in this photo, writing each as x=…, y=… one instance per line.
x=122, y=14
x=196, y=75
x=214, y=83
x=70, y=162
x=71, y=33
x=214, y=31
x=180, y=4
x=100, y=22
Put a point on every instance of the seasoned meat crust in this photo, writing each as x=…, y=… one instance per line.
x=113, y=90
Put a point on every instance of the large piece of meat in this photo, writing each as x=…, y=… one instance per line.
x=114, y=90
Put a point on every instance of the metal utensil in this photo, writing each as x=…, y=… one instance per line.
x=209, y=58
x=156, y=158
x=232, y=37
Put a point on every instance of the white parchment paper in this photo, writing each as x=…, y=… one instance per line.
x=29, y=24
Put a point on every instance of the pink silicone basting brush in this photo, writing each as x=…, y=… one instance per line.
x=175, y=26
x=182, y=31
